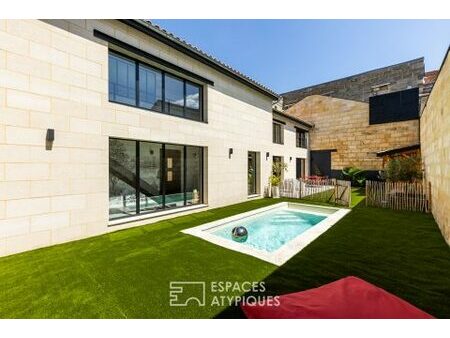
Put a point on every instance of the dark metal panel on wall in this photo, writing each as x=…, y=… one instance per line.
x=320, y=161
x=393, y=107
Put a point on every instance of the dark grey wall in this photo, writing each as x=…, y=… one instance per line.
x=359, y=87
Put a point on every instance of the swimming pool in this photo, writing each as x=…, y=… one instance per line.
x=275, y=233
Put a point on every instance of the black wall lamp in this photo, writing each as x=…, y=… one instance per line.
x=267, y=156
x=290, y=159
x=49, y=138
x=230, y=152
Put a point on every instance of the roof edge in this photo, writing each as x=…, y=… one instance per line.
x=393, y=151
x=193, y=52
x=437, y=77
x=293, y=118
x=354, y=75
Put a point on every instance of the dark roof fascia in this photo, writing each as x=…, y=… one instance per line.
x=145, y=27
x=294, y=119
x=278, y=121
x=151, y=57
x=397, y=150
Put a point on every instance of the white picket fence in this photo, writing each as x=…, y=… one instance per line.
x=324, y=190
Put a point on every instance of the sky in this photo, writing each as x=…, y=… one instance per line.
x=290, y=54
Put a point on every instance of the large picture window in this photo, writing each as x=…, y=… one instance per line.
x=134, y=83
x=147, y=177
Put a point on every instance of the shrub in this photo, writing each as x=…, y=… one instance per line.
x=355, y=175
x=407, y=169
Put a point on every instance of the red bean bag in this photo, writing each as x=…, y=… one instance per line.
x=348, y=297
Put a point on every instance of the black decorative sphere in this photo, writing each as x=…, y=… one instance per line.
x=239, y=234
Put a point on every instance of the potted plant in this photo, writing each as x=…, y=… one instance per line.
x=275, y=188
x=275, y=178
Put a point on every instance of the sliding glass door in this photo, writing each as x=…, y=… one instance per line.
x=150, y=187
x=147, y=177
x=194, y=176
x=122, y=178
x=174, y=180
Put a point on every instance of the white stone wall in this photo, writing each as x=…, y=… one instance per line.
x=54, y=74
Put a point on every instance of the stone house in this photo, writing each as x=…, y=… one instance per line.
x=362, y=119
x=108, y=124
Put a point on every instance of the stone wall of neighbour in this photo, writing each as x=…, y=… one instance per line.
x=435, y=147
x=360, y=87
x=344, y=125
x=54, y=74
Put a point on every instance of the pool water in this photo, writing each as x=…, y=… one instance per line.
x=271, y=230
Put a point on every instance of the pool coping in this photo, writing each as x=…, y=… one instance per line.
x=287, y=251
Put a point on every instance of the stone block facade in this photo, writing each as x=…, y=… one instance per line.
x=343, y=125
x=435, y=147
x=361, y=86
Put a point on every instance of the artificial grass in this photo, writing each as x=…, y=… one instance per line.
x=126, y=274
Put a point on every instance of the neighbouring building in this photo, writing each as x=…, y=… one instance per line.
x=107, y=124
x=435, y=147
x=364, y=119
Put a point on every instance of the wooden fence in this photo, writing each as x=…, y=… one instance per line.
x=399, y=195
x=324, y=190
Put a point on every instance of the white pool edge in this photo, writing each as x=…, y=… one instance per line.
x=287, y=251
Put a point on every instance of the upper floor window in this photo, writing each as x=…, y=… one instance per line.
x=150, y=88
x=122, y=80
x=174, y=103
x=193, y=99
x=301, y=138
x=137, y=84
x=278, y=132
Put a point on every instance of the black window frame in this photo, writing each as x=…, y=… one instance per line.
x=300, y=167
x=301, y=138
x=136, y=94
x=281, y=126
x=138, y=97
x=162, y=177
x=202, y=117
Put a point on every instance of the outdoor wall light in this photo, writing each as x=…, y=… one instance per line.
x=49, y=138
x=267, y=156
x=230, y=152
x=290, y=159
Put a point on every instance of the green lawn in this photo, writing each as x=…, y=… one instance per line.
x=126, y=274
